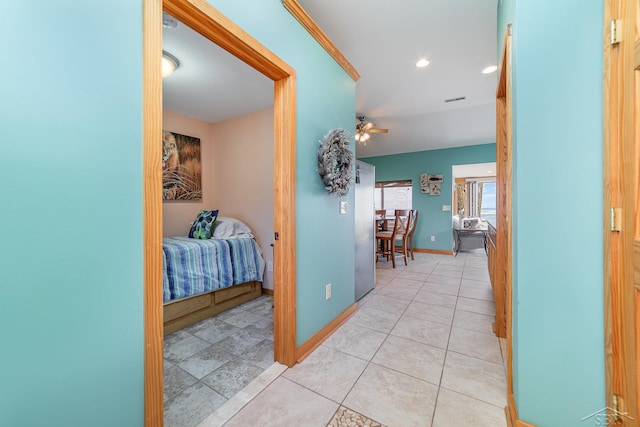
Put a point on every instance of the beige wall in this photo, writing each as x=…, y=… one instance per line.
x=177, y=216
x=243, y=176
x=237, y=175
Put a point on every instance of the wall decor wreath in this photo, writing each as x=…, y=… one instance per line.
x=335, y=162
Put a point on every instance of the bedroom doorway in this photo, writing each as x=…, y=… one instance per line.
x=211, y=24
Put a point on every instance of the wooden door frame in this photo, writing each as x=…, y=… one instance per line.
x=208, y=21
x=618, y=169
x=504, y=320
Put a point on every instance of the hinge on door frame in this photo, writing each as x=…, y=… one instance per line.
x=615, y=219
x=615, y=31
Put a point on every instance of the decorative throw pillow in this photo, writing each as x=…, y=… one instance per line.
x=202, y=227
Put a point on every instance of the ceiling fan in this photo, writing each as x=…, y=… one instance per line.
x=363, y=130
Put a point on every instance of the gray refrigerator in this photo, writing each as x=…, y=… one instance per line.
x=364, y=212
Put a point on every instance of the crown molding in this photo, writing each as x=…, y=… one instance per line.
x=309, y=24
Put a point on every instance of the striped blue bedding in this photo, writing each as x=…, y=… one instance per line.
x=194, y=266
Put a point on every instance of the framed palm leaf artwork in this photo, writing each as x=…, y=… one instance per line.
x=181, y=167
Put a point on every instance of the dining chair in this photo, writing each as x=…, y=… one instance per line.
x=388, y=239
x=380, y=219
x=413, y=221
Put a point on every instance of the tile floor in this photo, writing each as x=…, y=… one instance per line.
x=419, y=352
x=209, y=362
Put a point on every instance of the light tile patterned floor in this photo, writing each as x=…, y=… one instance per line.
x=419, y=352
x=208, y=363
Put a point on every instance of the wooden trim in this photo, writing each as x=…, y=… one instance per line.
x=212, y=24
x=512, y=414
x=610, y=183
x=152, y=208
x=434, y=251
x=501, y=243
x=318, y=338
x=619, y=181
x=284, y=256
x=309, y=24
x=266, y=291
x=206, y=20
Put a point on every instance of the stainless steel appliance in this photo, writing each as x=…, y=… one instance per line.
x=364, y=212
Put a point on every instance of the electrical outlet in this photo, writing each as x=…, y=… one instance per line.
x=433, y=238
x=327, y=291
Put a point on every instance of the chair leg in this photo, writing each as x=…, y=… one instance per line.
x=392, y=253
x=404, y=251
x=410, y=246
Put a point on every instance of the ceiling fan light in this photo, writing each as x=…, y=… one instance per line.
x=365, y=137
x=169, y=64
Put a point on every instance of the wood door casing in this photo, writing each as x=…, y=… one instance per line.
x=205, y=19
x=622, y=246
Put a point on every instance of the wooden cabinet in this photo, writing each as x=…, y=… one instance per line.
x=497, y=274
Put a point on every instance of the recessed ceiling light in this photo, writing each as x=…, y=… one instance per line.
x=490, y=69
x=422, y=62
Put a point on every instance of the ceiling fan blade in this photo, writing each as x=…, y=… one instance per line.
x=378, y=131
x=368, y=126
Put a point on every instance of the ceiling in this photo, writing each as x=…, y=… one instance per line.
x=382, y=40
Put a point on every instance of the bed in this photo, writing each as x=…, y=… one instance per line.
x=204, y=277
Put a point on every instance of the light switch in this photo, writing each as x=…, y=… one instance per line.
x=446, y=207
x=343, y=207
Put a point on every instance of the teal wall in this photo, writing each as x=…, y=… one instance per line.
x=432, y=220
x=325, y=100
x=71, y=266
x=557, y=168
x=71, y=270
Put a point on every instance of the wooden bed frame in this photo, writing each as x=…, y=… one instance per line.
x=182, y=313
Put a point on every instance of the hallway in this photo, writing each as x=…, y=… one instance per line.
x=419, y=352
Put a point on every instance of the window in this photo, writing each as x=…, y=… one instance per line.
x=392, y=195
x=477, y=197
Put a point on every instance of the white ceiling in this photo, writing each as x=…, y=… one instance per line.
x=383, y=40
x=210, y=84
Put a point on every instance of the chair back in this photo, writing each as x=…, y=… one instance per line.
x=413, y=220
x=381, y=213
x=401, y=224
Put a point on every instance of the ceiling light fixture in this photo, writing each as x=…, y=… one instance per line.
x=490, y=69
x=363, y=137
x=169, y=64
x=422, y=62
x=363, y=129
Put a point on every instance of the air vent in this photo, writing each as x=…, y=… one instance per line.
x=455, y=99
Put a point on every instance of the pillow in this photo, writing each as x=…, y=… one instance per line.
x=230, y=227
x=202, y=227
